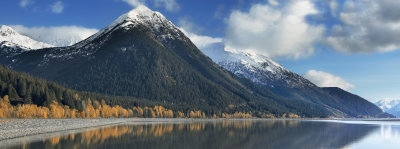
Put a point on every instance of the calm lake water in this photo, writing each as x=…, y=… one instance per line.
x=229, y=134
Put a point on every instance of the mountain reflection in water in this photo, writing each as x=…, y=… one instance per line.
x=229, y=134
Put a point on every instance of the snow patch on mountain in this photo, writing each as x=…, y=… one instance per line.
x=9, y=49
x=390, y=106
x=12, y=39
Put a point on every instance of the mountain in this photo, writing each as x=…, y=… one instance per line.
x=12, y=43
x=143, y=55
x=390, y=106
x=268, y=73
x=12, y=39
x=354, y=102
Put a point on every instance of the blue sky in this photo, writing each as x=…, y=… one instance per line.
x=353, y=44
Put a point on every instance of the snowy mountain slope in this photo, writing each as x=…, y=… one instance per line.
x=390, y=106
x=11, y=38
x=258, y=68
x=162, y=28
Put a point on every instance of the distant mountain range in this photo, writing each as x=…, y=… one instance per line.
x=390, y=106
x=144, y=55
x=268, y=73
x=11, y=38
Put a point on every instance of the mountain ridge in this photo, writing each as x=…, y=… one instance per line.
x=11, y=38
x=268, y=73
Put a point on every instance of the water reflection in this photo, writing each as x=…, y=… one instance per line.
x=229, y=134
x=390, y=132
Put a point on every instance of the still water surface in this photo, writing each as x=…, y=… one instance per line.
x=230, y=134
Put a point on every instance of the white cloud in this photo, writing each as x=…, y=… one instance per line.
x=57, y=7
x=200, y=41
x=275, y=32
x=25, y=3
x=170, y=5
x=192, y=31
x=58, y=36
x=324, y=79
x=135, y=3
x=367, y=26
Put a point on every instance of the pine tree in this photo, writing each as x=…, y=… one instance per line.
x=12, y=93
x=28, y=99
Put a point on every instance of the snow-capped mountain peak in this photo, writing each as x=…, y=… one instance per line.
x=11, y=38
x=7, y=31
x=145, y=16
x=390, y=106
x=141, y=15
x=256, y=67
x=127, y=25
x=219, y=53
x=386, y=104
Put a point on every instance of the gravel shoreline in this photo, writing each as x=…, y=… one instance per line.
x=16, y=128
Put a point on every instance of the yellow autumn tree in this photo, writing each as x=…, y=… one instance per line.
x=105, y=110
x=90, y=111
x=149, y=112
x=170, y=114
x=7, y=111
x=292, y=115
x=115, y=112
x=196, y=114
x=56, y=110
x=181, y=114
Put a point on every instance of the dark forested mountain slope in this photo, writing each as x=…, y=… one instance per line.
x=354, y=104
